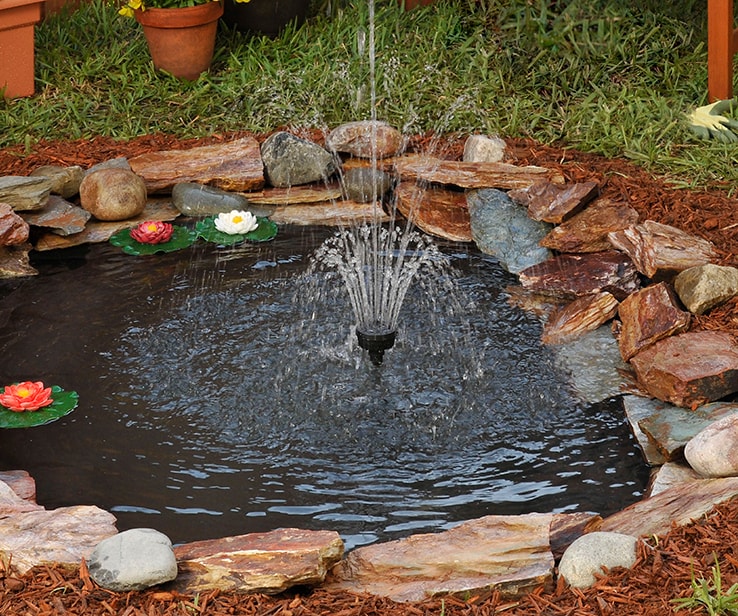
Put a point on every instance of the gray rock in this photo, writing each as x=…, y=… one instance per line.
x=65, y=181
x=483, y=149
x=703, y=287
x=194, y=199
x=587, y=555
x=713, y=452
x=133, y=560
x=502, y=228
x=362, y=184
x=24, y=193
x=113, y=194
x=290, y=160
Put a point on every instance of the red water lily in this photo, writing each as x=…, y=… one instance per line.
x=26, y=396
x=152, y=232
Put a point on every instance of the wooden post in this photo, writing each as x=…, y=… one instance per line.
x=722, y=44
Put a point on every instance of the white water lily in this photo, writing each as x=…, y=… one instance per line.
x=236, y=222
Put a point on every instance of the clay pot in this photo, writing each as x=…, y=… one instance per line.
x=17, y=21
x=181, y=40
x=411, y=4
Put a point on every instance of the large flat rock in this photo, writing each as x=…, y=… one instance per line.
x=472, y=175
x=258, y=562
x=62, y=536
x=235, y=166
x=331, y=214
x=510, y=554
x=690, y=369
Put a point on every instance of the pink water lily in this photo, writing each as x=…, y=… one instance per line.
x=152, y=232
x=26, y=396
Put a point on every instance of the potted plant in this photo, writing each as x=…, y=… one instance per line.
x=17, y=22
x=180, y=33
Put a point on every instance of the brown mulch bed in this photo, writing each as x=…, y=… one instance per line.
x=664, y=567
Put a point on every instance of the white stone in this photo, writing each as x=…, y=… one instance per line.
x=483, y=149
x=591, y=552
x=713, y=452
x=133, y=560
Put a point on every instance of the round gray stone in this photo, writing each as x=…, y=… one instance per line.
x=589, y=553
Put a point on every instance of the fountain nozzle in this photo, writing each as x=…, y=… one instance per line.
x=376, y=342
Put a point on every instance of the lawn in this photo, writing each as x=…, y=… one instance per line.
x=614, y=77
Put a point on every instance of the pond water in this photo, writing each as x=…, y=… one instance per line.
x=222, y=392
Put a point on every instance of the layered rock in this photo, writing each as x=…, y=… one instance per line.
x=436, y=211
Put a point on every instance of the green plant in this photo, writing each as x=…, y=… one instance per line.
x=710, y=595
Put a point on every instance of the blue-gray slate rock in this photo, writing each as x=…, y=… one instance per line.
x=194, y=199
x=133, y=560
x=589, y=553
x=502, y=228
x=291, y=161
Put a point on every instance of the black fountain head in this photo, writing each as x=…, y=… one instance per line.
x=376, y=342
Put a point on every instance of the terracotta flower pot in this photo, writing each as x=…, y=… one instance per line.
x=411, y=4
x=268, y=17
x=181, y=40
x=17, y=21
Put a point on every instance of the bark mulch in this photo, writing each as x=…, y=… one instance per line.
x=665, y=566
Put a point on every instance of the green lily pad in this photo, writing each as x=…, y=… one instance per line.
x=266, y=231
x=64, y=403
x=181, y=238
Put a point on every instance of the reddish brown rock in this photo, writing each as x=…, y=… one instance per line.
x=649, y=315
x=333, y=213
x=259, y=562
x=21, y=483
x=571, y=276
x=582, y=315
x=436, y=211
x=553, y=203
x=588, y=230
x=59, y=216
x=472, y=175
x=660, y=251
x=366, y=139
x=14, y=261
x=508, y=554
x=235, y=166
x=13, y=229
x=679, y=505
x=689, y=369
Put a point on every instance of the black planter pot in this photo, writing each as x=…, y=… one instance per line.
x=266, y=17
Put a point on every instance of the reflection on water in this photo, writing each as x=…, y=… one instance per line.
x=221, y=394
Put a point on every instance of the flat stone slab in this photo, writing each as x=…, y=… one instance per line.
x=24, y=193
x=21, y=483
x=690, y=369
x=670, y=427
x=62, y=536
x=660, y=251
x=636, y=410
x=60, y=216
x=569, y=276
x=587, y=231
x=669, y=475
x=436, y=211
x=679, y=504
x=509, y=554
x=555, y=203
x=296, y=195
x=97, y=232
x=334, y=213
x=268, y=562
x=472, y=175
x=235, y=166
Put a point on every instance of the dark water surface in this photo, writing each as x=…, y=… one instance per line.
x=221, y=393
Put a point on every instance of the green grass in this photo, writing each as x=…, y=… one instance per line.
x=614, y=77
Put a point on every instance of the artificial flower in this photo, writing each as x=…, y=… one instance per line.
x=152, y=232
x=236, y=222
x=26, y=396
